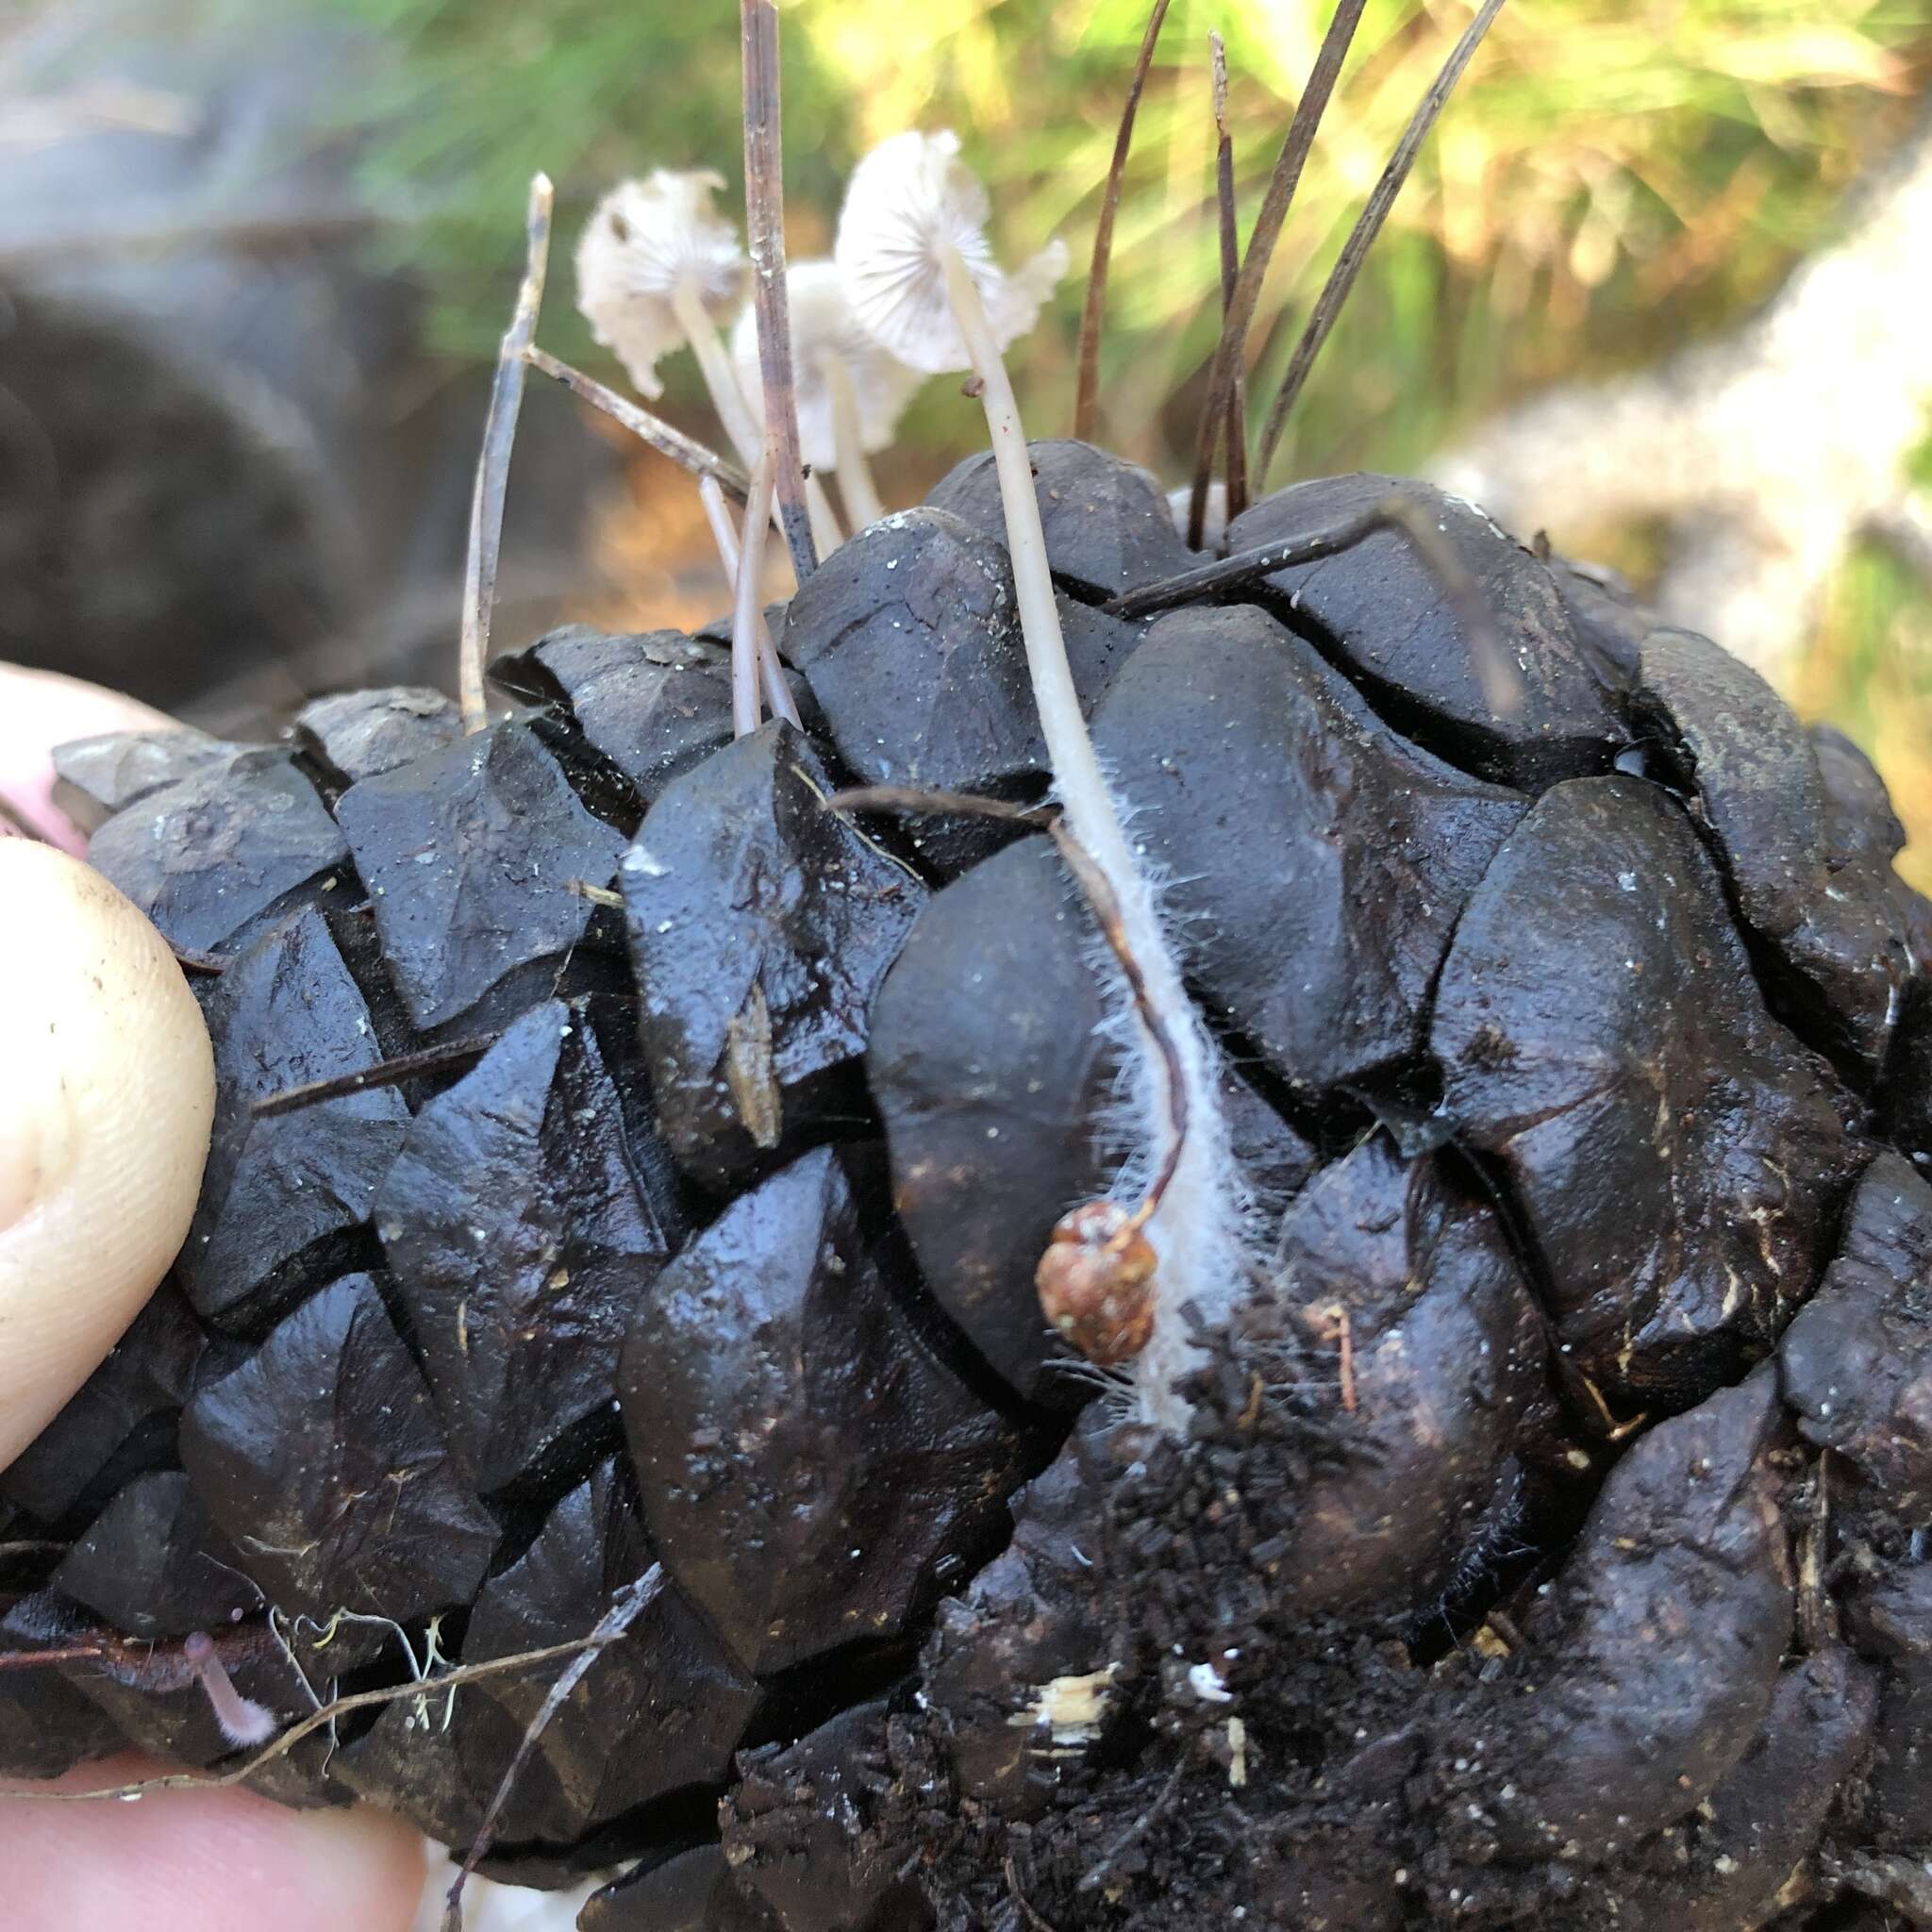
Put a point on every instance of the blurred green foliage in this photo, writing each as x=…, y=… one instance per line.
x=1613, y=178
x=1610, y=178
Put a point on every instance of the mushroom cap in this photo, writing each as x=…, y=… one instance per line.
x=905, y=198
x=823, y=325
x=643, y=238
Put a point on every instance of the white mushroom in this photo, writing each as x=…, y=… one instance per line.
x=921, y=278
x=851, y=391
x=908, y=200
x=658, y=271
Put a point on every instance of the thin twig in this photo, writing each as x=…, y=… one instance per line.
x=492, y=467
x=336, y=1707
x=684, y=451
x=1236, y=468
x=1106, y=908
x=1097, y=1877
x=632, y=1601
x=1020, y=1899
x=191, y=960
x=1335, y=291
x=389, y=1072
x=765, y=218
x=1086, y=390
x=1268, y=224
x=1500, y=676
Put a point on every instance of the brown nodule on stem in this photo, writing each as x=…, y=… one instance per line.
x=1105, y=905
x=389, y=1072
x=1236, y=468
x=1086, y=389
x=1342, y=277
x=684, y=451
x=1502, y=678
x=764, y=216
x=1268, y=226
x=492, y=466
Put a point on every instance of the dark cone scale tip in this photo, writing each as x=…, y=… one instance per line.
x=1551, y=1545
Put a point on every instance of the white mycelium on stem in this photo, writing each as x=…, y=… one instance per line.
x=851, y=391
x=921, y=277
x=658, y=270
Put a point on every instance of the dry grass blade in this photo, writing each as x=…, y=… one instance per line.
x=492, y=468
x=632, y=1601
x=1237, y=466
x=389, y=1072
x=1268, y=226
x=684, y=451
x=1086, y=389
x=765, y=218
x=1335, y=291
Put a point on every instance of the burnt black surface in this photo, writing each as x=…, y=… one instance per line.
x=284, y=1197
x=655, y=703
x=120, y=1422
x=660, y=1711
x=910, y=638
x=760, y=925
x=1445, y=1356
x=993, y=1106
x=153, y=1563
x=322, y=1457
x=1228, y=734
x=207, y=855
x=1808, y=874
x=470, y=855
x=361, y=734
x=1389, y=623
x=1431, y=1618
x=808, y=1466
x=1108, y=527
x=1678, y=1159
x=96, y=778
x=524, y=1226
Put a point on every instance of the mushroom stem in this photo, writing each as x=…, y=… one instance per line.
x=1196, y=1232
x=242, y=1720
x=770, y=672
x=747, y=614
x=742, y=427
x=863, y=505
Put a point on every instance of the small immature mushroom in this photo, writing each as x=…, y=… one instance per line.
x=242, y=1721
x=851, y=391
x=658, y=271
x=919, y=276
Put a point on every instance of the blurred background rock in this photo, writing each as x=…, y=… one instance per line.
x=1694, y=237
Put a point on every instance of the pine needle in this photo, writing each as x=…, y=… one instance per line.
x=1355, y=250
x=1268, y=226
x=1086, y=390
